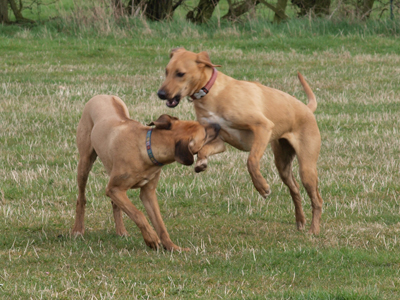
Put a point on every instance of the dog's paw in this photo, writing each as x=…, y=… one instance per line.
x=266, y=194
x=151, y=239
x=78, y=230
x=153, y=244
x=122, y=232
x=77, y=233
x=172, y=247
x=313, y=230
x=201, y=165
x=301, y=225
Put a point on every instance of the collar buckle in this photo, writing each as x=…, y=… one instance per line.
x=200, y=94
x=205, y=89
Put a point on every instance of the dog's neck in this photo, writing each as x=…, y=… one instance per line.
x=162, y=146
x=206, y=82
x=150, y=150
x=218, y=90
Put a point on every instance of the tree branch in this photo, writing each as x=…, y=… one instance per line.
x=175, y=6
x=281, y=14
x=17, y=12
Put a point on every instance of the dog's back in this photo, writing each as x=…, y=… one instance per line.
x=104, y=106
x=101, y=116
x=99, y=108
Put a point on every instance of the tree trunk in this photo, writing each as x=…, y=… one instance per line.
x=16, y=11
x=4, y=12
x=367, y=8
x=158, y=10
x=203, y=12
x=281, y=7
x=240, y=9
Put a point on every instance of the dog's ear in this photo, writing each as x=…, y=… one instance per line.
x=203, y=58
x=163, y=122
x=175, y=50
x=183, y=155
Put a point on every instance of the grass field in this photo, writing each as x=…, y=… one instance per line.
x=242, y=246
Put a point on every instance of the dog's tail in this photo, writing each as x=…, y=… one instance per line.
x=312, y=101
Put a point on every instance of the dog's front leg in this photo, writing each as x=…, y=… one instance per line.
x=214, y=147
x=119, y=198
x=262, y=134
x=149, y=199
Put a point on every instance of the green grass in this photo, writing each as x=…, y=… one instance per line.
x=242, y=246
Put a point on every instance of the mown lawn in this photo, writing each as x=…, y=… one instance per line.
x=242, y=246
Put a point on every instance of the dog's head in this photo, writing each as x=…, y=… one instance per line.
x=184, y=75
x=189, y=136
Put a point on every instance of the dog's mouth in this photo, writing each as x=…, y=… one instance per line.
x=174, y=101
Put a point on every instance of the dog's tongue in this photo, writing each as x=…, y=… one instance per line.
x=172, y=103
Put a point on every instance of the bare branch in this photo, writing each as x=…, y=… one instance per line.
x=280, y=13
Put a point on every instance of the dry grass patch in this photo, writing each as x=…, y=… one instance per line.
x=242, y=246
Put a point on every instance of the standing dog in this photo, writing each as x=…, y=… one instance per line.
x=251, y=116
x=133, y=155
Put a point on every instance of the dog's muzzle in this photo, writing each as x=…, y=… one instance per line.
x=174, y=101
x=162, y=94
x=170, y=102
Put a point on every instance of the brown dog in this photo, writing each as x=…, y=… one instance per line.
x=133, y=155
x=251, y=116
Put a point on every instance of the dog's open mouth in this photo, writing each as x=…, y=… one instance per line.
x=174, y=101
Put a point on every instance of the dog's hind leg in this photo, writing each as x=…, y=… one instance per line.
x=87, y=158
x=119, y=223
x=284, y=154
x=307, y=155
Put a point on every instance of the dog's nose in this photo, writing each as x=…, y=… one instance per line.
x=162, y=94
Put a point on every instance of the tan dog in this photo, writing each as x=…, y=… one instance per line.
x=251, y=116
x=123, y=145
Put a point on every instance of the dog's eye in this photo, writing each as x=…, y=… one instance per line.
x=180, y=74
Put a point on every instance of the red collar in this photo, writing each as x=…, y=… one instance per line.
x=204, y=90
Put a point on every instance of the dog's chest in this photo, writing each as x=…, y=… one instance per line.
x=240, y=139
x=142, y=180
x=142, y=183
